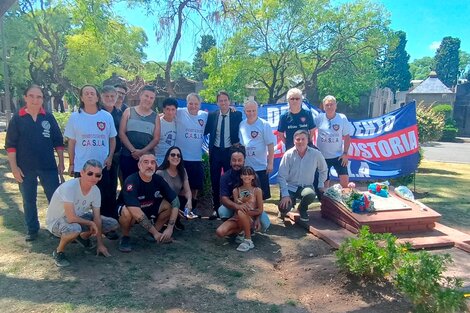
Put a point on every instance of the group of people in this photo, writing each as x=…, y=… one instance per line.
x=157, y=159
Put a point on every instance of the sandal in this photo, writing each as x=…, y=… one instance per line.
x=246, y=245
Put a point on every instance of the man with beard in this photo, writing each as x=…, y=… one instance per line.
x=147, y=199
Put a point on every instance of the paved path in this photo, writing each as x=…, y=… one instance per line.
x=453, y=152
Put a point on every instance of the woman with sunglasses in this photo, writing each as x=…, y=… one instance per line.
x=173, y=172
x=92, y=135
x=32, y=136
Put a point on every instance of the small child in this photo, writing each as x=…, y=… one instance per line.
x=251, y=195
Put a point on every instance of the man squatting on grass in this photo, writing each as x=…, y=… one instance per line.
x=296, y=173
x=144, y=198
x=74, y=213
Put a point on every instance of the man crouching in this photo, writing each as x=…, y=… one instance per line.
x=74, y=213
x=144, y=198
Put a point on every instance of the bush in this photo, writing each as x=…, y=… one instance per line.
x=62, y=119
x=444, y=109
x=369, y=255
x=420, y=278
x=450, y=130
x=430, y=124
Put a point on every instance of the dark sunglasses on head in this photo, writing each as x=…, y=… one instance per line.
x=97, y=175
x=175, y=155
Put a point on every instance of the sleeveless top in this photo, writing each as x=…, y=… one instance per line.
x=139, y=130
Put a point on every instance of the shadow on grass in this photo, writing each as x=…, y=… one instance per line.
x=13, y=217
x=436, y=171
x=72, y=294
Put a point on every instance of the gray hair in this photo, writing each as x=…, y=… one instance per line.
x=108, y=89
x=193, y=94
x=294, y=91
x=251, y=101
x=329, y=98
x=301, y=132
x=92, y=163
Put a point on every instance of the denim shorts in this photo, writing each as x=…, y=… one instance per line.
x=62, y=227
x=227, y=213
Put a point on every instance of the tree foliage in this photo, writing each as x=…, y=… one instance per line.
x=207, y=42
x=65, y=44
x=395, y=68
x=447, y=61
x=420, y=68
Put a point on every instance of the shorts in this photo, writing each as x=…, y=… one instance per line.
x=151, y=212
x=336, y=163
x=226, y=213
x=264, y=184
x=195, y=173
x=62, y=227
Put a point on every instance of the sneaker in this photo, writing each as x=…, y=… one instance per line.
x=31, y=236
x=304, y=216
x=60, y=259
x=125, y=244
x=191, y=216
x=240, y=238
x=85, y=243
x=246, y=245
x=214, y=216
x=112, y=235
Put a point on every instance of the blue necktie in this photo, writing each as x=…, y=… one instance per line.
x=222, y=132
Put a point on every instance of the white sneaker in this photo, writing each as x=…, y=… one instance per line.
x=246, y=245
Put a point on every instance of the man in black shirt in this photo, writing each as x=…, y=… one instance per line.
x=147, y=199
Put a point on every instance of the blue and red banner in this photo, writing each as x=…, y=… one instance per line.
x=381, y=148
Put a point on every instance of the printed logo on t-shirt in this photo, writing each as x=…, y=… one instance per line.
x=335, y=127
x=101, y=125
x=302, y=119
x=129, y=187
x=157, y=194
x=254, y=134
x=201, y=122
x=46, y=126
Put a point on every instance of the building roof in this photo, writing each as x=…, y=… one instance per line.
x=432, y=84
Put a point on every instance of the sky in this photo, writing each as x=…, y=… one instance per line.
x=425, y=22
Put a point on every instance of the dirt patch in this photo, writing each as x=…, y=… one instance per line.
x=288, y=271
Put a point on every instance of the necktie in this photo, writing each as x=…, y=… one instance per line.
x=222, y=132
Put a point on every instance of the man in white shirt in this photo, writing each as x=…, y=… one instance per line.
x=333, y=139
x=296, y=174
x=74, y=213
x=258, y=138
x=167, y=129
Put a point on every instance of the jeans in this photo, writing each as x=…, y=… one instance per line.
x=29, y=191
x=226, y=213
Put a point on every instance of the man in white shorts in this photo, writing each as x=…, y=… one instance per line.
x=74, y=213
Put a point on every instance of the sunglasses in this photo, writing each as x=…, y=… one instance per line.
x=97, y=175
x=295, y=99
x=175, y=155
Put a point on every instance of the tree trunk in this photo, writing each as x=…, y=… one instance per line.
x=311, y=90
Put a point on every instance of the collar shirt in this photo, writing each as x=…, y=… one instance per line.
x=226, y=132
x=295, y=171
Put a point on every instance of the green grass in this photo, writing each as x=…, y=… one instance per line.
x=445, y=187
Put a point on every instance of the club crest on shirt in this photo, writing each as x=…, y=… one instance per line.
x=303, y=119
x=101, y=125
x=335, y=127
x=46, y=126
x=254, y=134
x=201, y=121
x=129, y=187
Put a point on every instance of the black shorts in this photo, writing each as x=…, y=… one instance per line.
x=151, y=212
x=336, y=163
x=195, y=173
x=264, y=184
